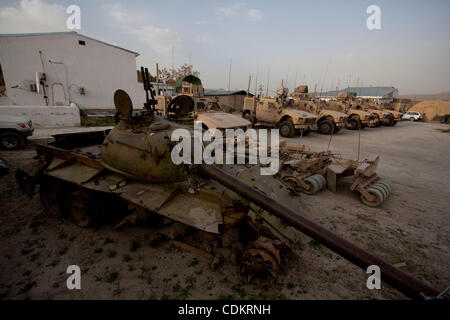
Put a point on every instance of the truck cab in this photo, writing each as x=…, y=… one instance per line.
x=279, y=112
x=328, y=121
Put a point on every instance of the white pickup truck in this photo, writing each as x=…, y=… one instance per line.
x=14, y=131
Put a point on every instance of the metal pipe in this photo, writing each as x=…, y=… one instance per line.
x=396, y=278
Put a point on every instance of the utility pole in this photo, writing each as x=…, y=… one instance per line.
x=229, y=75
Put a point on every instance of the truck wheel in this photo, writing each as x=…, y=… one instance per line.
x=11, y=140
x=83, y=209
x=390, y=122
x=287, y=129
x=353, y=124
x=326, y=127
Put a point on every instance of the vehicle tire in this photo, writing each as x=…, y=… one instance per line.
x=11, y=140
x=336, y=129
x=326, y=127
x=287, y=129
x=379, y=123
x=411, y=119
x=447, y=121
x=83, y=209
x=390, y=122
x=378, y=198
x=395, y=122
x=353, y=124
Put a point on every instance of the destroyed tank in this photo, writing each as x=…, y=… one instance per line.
x=126, y=175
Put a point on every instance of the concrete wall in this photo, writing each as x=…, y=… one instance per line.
x=43, y=116
x=97, y=67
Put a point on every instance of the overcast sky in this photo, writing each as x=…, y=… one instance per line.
x=323, y=42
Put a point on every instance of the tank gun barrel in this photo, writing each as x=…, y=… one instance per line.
x=396, y=278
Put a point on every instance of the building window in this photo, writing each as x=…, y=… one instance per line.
x=81, y=42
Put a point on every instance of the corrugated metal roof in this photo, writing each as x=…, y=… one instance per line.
x=61, y=33
x=361, y=91
x=215, y=92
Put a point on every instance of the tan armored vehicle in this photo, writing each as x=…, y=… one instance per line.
x=328, y=121
x=279, y=112
x=384, y=118
x=397, y=116
x=189, y=103
x=357, y=119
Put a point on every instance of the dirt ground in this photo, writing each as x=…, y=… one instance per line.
x=412, y=226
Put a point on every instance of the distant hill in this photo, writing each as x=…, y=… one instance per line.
x=443, y=96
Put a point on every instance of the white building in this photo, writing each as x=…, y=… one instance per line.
x=57, y=69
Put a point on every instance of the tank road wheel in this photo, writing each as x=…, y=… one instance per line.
x=11, y=140
x=51, y=196
x=261, y=262
x=287, y=129
x=316, y=183
x=353, y=124
x=386, y=183
x=383, y=191
x=83, y=209
x=379, y=198
x=385, y=188
x=326, y=127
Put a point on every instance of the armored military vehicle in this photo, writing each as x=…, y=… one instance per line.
x=279, y=112
x=357, y=119
x=384, y=118
x=328, y=121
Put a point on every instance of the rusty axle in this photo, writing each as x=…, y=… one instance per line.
x=396, y=278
